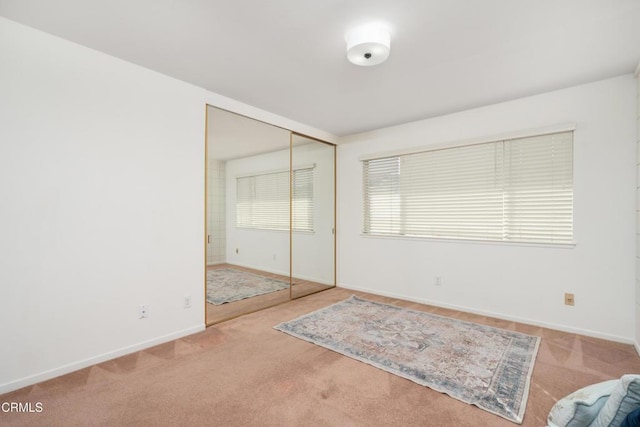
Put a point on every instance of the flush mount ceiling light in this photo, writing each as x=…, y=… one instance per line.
x=368, y=44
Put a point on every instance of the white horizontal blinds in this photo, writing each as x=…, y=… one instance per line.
x=262, y=201
x=382, y=196
x=539, y=189
x=453, y=192
x=514, y=190
x=302, y=201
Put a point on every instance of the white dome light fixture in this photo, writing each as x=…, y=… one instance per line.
x=368, y=44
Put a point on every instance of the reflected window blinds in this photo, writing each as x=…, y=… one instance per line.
x=262, y=200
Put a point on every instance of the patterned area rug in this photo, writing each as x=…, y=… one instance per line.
x=227, y=285
x=477, y=364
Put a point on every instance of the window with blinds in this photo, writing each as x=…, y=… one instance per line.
x=262, y=200
x=518, y=190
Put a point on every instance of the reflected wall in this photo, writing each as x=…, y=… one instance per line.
x=313, y=195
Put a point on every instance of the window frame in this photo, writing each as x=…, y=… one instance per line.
x=366, y=229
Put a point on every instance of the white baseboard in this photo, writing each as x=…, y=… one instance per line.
x=637, y=347
x=297, y=276
x=313, y=279
x=527, y=321
x=62, y=370
x=268, y=270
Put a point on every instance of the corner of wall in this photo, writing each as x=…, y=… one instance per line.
x=637, y=282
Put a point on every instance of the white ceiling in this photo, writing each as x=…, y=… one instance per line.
x=288, y=56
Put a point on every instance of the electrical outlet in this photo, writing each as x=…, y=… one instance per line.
x=438, y=281
x=187, y=301
x=143, y=311
x=569, y=299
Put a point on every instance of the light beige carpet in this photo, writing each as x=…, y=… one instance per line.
x=245, y=373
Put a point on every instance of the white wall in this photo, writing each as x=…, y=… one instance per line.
x=521, y=282
x=102, y=189
x=313, y=253
x=269, y=250
x=637, y=299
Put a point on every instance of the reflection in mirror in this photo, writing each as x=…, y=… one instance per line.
x=247, y=222
x=312, y=216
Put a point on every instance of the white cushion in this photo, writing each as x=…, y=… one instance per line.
x=624, y=399
x=581, y=407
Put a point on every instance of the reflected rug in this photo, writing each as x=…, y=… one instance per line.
x=228, y=284
x=480, y=365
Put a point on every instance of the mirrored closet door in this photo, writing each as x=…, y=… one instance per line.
x=312, y=215
x=247, y=215
x=270, y=215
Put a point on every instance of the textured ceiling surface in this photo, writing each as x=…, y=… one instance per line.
x=288, y=57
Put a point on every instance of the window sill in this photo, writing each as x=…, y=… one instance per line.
x=571, y=245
